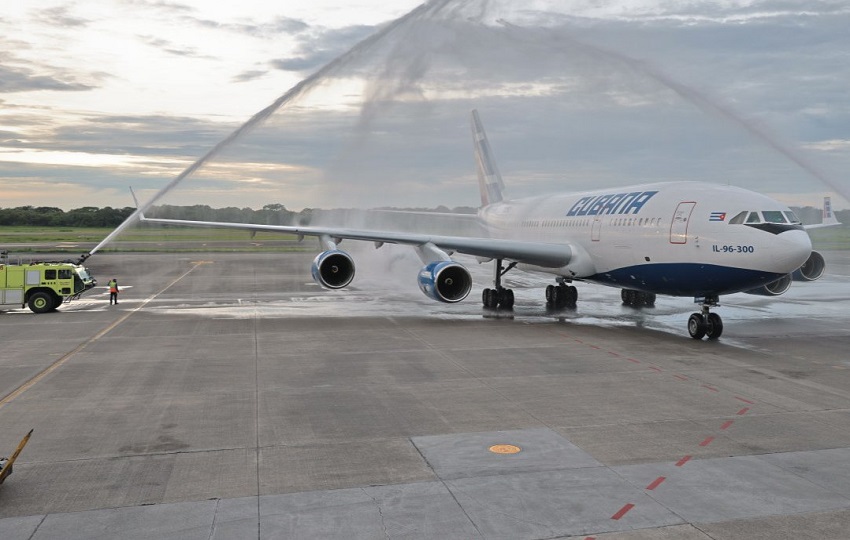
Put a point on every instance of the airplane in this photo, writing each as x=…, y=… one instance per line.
x=688, y=239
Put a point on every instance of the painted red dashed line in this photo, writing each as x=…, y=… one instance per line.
x=707, y=441
x=655, y=483
x=622, y=511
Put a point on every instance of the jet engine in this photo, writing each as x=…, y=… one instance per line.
x=774, y=288
x=445, y=281
x=812, y=269
x=333, y=269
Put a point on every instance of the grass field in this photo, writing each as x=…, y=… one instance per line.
x=148, y=239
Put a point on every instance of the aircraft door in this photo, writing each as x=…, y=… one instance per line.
x=595, y=228
x=679, y=226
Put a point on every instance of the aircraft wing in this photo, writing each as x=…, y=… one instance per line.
x=543, y=254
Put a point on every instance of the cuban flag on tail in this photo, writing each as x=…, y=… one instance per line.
x=717, y=216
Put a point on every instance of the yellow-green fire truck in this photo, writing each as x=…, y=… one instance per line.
x=43, y=286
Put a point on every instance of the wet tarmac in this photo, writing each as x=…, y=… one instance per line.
x=227, y=396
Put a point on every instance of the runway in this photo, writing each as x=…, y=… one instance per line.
x=227, y=396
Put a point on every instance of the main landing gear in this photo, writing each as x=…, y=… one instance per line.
x=635, y=298
x=706, y=324
x=561, y=295
x=499, y=297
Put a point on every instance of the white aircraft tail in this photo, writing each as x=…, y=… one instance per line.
x=828, y=217
x=489, y=180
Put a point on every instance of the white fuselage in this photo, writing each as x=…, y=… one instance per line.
x=668, y=238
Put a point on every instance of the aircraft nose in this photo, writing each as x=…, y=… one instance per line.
x=793, y=250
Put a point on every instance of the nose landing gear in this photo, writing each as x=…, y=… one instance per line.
x=706, y=324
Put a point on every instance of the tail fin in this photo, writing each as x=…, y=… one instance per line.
x=828, y=217
x=489, y=180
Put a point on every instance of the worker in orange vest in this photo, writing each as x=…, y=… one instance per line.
x=113, y=291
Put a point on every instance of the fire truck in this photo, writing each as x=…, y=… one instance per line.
x=43, y=286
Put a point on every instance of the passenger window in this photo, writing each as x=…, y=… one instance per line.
x=738, y=219
x=773, y=216
x=754, y=218
x=50, y=274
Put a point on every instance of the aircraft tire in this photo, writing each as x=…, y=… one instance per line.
x=550, y=294
x=506, y=299
x=714, y=326
x=649, y=299
x=571, y=295
x=697, y=326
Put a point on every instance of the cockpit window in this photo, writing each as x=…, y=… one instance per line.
x=773, y=216
x=792, y=217
x=738, y=219
x=754, y=218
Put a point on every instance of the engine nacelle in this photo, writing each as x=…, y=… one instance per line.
x=446, y=281
x=812, y=269
x=774, y=288
x=333, y=269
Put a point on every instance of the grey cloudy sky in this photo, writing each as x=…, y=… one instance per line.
x=101, y=95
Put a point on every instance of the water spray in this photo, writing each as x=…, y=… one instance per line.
x=702, y=101
x=427, y=9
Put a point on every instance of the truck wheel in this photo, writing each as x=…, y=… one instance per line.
x=40, y=302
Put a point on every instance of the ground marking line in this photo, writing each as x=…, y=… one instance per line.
x=622, y=511
x=657, y=482
x=683, y=461
x=67, y=356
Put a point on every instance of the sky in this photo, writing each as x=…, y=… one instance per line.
x=366, y=103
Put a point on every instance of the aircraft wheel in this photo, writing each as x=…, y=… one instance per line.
x=697, y=326
x=40, y=302
x=550, y=294
x=572, y=295
x=506, y=299
x=714, y=326
x=559, y=295
x=649, y=299
x=626, y=296
x=489, y=298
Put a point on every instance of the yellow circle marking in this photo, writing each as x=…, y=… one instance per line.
x=505, y=449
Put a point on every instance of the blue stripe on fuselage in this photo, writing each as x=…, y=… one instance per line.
x=685, y=279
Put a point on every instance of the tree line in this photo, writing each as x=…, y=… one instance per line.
x=90, y=216
x=270, y=214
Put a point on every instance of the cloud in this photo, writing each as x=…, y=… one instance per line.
x=320, y=46
x=571, y=97
x=23, y=80
x=169, y=47
x=249, y=75
x=60, y=16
